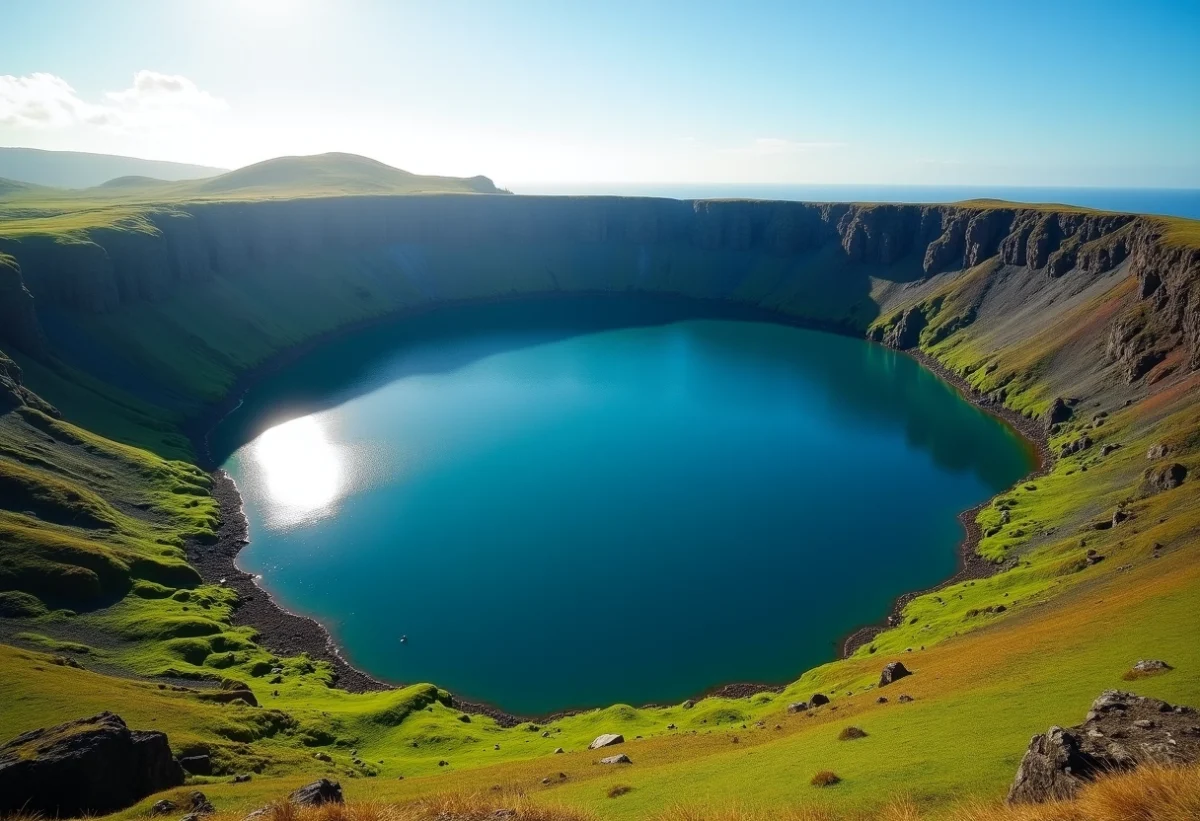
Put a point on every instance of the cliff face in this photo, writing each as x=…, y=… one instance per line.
x=18, y=318
x=110, y=269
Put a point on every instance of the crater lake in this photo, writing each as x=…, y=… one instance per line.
x=577, y=502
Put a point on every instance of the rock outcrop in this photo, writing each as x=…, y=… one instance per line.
x=1122, y=730
x=92, y=766
x=320, y=792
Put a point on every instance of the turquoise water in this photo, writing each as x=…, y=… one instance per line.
x=577, y=503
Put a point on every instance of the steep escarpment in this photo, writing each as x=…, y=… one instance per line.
x=840, y=265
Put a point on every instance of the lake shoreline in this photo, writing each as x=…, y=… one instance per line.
x=971, y=565
x=287, y=633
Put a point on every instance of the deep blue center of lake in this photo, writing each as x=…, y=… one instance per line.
x=580, y=502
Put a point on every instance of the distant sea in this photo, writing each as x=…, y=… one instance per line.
x=1176, y=202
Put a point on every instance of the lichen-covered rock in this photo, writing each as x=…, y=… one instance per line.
x=91, y=766
x=1122, y=730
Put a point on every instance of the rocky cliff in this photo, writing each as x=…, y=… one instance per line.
x=873, y=253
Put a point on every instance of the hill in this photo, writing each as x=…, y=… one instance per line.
x=332, y=174
x=77, y=169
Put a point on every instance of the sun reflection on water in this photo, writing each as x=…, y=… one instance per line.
x=302, y=469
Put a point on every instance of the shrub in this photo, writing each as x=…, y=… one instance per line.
x=851, y=733
x=825, y=778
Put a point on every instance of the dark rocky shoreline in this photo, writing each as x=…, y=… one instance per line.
x=286, y=633
x=280, y=631
x=971, y=564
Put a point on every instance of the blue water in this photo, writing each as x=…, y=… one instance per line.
x=1176, y=202
x=577, y=503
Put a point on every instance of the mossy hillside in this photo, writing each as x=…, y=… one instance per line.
x=84, y=516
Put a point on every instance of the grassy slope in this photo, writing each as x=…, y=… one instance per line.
x=1039, y=663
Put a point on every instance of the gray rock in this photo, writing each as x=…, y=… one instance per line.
x=893, y=672
x=1053, y=769
x=616, y=759
x=559, y=751
x=163, y=806
x=91, y=766
x=1061, y=761
x=320, y=792
x=606, y=740
x=1163, y=478
x=797, y=707
x=1151, y=666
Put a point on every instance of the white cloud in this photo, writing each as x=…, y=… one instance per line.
x=774, y=146
x=47, y=101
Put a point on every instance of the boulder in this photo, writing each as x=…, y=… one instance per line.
x=199, y=804
x=91, y=766
x=1053, y=769
x=163, y=807
x=1156, y=452
x=320, y=792
x=797, y=707
x=1058, y=412
x=197, y=764
x=1151, y=666
x=616, y=759
x=606, y=740
x=1121, y=731
x=818, y=699
x=1081, y=444
x=893, y=671
x=1164, y=477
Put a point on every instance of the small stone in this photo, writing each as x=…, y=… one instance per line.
x=606, y=740
x=616, y=759
x=559, y=751
x=797, y=707
x=905, y=698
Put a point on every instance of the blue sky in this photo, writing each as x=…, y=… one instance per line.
x=905, y=92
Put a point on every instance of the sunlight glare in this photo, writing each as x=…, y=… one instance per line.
x=302, y=467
